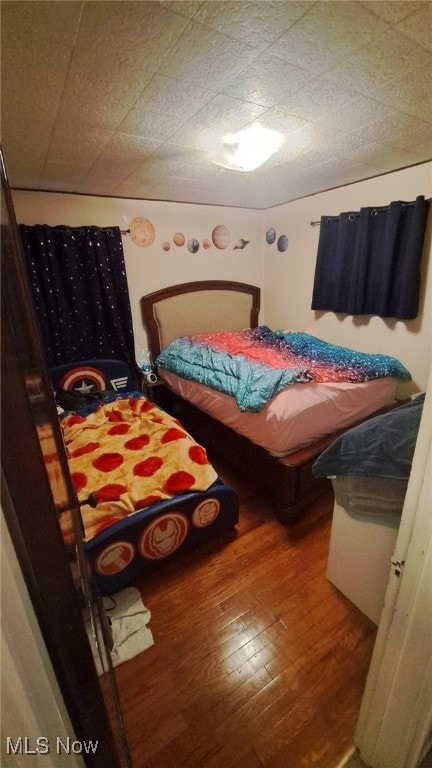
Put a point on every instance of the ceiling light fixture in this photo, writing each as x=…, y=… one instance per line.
x=248, y=149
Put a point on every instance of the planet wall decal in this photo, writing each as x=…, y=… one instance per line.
x=206, y=244
x=179, y=238
x=193, y=245
x=241, y=244
x=221, y=237
x=166, y=246
x=271, y=235
x=142, y=232
x=282, y=243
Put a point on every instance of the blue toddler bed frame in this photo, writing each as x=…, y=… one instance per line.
x=125, y=550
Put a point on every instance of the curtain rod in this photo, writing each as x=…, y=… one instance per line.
x=379, y=207
x=124, y=231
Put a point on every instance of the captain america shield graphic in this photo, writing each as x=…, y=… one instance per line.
x=83, y=380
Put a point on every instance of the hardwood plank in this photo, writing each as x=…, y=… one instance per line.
x=258, y=662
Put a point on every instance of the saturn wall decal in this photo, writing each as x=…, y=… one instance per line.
x=240, y=244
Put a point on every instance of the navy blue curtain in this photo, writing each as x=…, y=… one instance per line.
x=368, y=262
x=79, y=284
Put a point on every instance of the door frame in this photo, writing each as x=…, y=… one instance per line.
x=394, y=728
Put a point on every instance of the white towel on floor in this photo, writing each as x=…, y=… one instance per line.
x=128, y=622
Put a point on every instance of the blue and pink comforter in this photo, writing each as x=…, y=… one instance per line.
x=255, y=364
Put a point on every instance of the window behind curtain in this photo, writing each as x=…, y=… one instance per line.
x=368, y=262
x=79, y=284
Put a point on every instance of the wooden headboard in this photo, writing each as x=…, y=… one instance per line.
x=198, y=307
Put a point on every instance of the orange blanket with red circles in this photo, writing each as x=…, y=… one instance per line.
x=129, y=454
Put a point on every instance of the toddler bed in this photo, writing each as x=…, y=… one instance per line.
x=273, y=423
x=146, y=489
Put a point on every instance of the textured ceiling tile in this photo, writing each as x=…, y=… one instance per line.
x=21, y=150
x=170, y=157
x=293, y=159
x=130, y=187
x=317, y=98
x=127, y=34
x=186, y=181
x=103, y=83
x=62, y=176
x=101, y=187
x=118, y=48
x=350, y=142
x=103, y=102
x=421, y=151
x=123, y=146
x=36, y=42
x=70, y=142
x=164, y=162
x=24, y=156
x=345, y=175
x=393, y=55
x=268, y=81
x=221, y=116
x=102, y=184
x=164, y=106
x=398, y=130
x=408, y=55
x=277, y=120
x=317, y=138
x=409, y=136
x=121, y=156
x=151, y=125
x=258, y=23
x=356, y=155
x=27, y=177
x=410, y=93
x=355, y=113
x=186, y=8
x=298, y=186
x=388, y=159
x=418, y=26
x=174, y=192
x=393, y=11
x=210, y=65
x=148, y=92
x=166, y=94
x=326, y=34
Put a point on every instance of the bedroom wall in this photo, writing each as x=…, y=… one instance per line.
x=150, y=268
x=285, y=276
x=288, y=275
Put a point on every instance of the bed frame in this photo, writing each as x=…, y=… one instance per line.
x=199, y=307
x=125, y=550
x=215, y=305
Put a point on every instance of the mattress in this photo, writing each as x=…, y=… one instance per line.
x=295, y=417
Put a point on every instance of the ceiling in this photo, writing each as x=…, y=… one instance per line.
x=127, y=99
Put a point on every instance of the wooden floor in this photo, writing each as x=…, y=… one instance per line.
x=257, y=661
